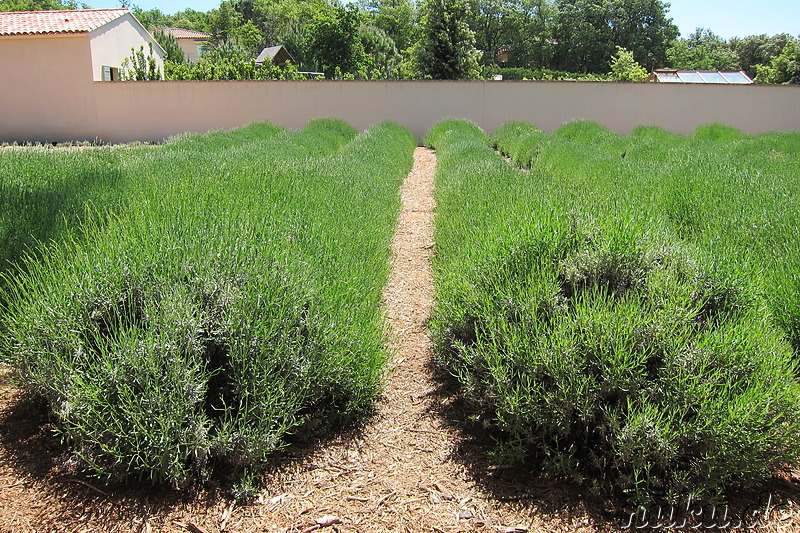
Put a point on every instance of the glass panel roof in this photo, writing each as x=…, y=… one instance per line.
x=690, y=77
x=713, y=77
x=736, y=77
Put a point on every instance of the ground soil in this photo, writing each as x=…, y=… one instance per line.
x=420, y=463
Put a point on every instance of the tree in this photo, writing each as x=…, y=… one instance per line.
x=151, y=19
x=169, y=43
x=758, y=50
x=190, y=20
x=395, y=17
x=333, y=42
x=139, y=67
x=530, y=43
x=39, y=5
x=250, y=38
x=625, y=68
x=588, y=32
x=642, y=26
x=702, y=50
x=224, y=22
x=783, y=69
x=381, y=48
x=446, y=49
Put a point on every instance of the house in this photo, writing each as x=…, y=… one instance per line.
x=277, y=54
x=67, y=45
x=193, y=43
x=673, y=75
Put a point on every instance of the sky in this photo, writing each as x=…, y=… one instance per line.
x=726, y=18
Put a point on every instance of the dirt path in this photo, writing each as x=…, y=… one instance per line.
x=411, y=467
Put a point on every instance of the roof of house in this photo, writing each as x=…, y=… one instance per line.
x=64, y=21
x=270, y=52
x=182, y=33
x=673, y=75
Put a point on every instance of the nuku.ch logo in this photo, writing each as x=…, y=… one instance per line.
x=690, y=514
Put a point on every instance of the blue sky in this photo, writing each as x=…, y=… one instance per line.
x=727, y=18
x=737, y=18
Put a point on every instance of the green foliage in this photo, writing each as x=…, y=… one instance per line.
x=250, y=38
x=169, y=43
x=588, y=33
x=138, y=67
x=47, y=194
x=516, y=73
x=608, y=309
x=446, y=49
x=395, y=17
x=333, y=42
x=39, y=5
x=702, y=50
x=383, y=52
x=227, y=305
x=783, y=69
x=758, y=50
x=227, y=61
x=625, y=68
x=224, y=22
x=521, y=27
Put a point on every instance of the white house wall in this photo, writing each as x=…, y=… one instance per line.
x=112, y=43
x=189, y=47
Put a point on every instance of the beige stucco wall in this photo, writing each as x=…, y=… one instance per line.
x=45, y=89
x=155, y=110
x=120, y=112
x=112, y=43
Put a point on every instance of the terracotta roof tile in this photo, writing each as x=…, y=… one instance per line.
x=66, y=21
x=181, y=33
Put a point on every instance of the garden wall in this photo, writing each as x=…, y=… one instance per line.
x=151, y=111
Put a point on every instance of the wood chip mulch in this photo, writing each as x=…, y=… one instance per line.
x=419, y=464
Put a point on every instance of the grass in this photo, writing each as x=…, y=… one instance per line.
x=735, y=196
x=234, y=299
x=607, y=306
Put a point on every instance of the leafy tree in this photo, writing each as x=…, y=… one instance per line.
x=625, y=68
x=446, y=50
x=381, y=48
x=583, y=34
x=758, y=50
x=229, y=62
x=278, y=21
x=783, y=69
x=151, y=19
x=530, y=41
x=190, y=20
x=224, y=22
x=250, y=38
x=40, y=5
x=294, y=41
x=170, y=45
x=139, y=67
x=333, y=42
x=642, y=26
x=395, y=17
x=702, y=50
x=588, y=32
